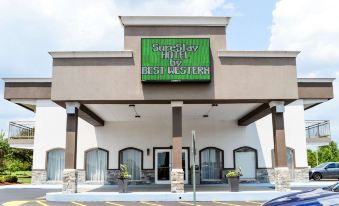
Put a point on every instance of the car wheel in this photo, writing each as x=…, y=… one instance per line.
x=317, y=176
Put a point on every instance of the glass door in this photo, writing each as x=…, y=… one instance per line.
x=163, y=160
x=163, y=165
x=185, y=164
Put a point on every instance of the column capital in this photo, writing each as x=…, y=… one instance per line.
x=177, y=103
x=279, y=106
x=71, y=106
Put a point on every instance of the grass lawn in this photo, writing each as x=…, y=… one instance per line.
x=24, y=180
x=24, y=177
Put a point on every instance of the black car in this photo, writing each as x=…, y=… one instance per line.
x=328, y=170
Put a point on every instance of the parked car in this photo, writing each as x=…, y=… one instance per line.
x=322, y=196
x=328, y=170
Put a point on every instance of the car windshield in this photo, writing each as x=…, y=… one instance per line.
x=321, y=165
x=334, y=188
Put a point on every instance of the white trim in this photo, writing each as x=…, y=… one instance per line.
x=156, y=166
x=174, y=20
x=27, y=79
x=91, y=54
x=165, y=196
x=177, y=103
x=316, y=79
x=279, y=106
x=70, y=107
x=226, y=53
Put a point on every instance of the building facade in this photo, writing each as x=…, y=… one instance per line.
x=138, y=107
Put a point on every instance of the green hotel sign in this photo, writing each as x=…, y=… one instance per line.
x=175, y=60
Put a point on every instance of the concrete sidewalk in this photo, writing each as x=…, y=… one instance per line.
x=162, y=188
x=164, y=196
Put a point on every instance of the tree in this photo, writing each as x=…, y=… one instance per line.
x=328, y=153
x=12, y=159
x=4, y=147
x=311, y=158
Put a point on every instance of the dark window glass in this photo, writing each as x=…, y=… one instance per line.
x=332, y=165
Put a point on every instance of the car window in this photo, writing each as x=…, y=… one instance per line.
x=332, y=165
x=337, y=165
x=321, y=165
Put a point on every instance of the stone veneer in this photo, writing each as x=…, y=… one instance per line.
x=70, y=181
x=264, y=175
x=39, y=177
x=301, y=175
x=282, y=179
x=177, y=181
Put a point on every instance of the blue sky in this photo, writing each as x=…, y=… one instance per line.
x=29, y=29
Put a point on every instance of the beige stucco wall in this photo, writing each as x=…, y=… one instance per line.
x=233, y=78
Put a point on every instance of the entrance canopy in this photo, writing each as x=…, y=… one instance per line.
x=137, y=112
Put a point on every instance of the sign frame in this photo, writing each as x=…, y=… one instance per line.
x=177, y=81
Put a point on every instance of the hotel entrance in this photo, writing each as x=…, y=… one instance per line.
x=163, y=165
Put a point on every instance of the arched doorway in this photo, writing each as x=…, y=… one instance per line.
x=245, y=158
x=96, y=164
x=132, y=158
x=211, y=164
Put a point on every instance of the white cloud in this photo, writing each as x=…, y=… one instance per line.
x=311, y=26
x=87, y=24
x=29, y=29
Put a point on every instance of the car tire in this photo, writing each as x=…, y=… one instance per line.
x=317, y=176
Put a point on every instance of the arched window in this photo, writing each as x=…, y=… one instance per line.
x=55, y=164
x=96, y=165
x=290, y=160
x=132, y=158
x=211, y=163
x=245, y=158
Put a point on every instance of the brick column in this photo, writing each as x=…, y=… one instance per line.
x=281, y=172
x=70, y=179
x=177, y=173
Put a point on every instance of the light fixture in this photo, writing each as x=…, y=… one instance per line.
x=209, y=110
x=135, y=111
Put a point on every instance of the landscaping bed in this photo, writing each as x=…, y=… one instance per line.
x=20, y=177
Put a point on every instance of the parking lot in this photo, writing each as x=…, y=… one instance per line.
x=26, y=197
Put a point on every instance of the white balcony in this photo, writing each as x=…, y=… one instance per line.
x=318, y=132
x=21, y=134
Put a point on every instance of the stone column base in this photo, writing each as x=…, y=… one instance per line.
x=70, y=181
x=177, y=181
x=282, y=179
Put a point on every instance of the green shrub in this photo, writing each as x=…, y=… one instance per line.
x=1, y=179
x=10, y=178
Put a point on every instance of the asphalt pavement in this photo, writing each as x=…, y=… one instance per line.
x=36, y=197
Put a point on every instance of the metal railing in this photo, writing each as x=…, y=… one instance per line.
x=21, y=130
x=317, y=128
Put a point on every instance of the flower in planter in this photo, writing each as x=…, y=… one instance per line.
x=234, y=173
x=124, y=172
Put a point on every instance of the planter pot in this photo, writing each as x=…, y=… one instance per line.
x=123, y=184
x=233, y=183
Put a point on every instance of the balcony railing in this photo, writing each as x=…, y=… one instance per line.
x=21, y=130
x=318, y=131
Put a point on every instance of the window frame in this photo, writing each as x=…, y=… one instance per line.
x=85, y=159
x=222, y=159
x=247, y=148
x=46, y=159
